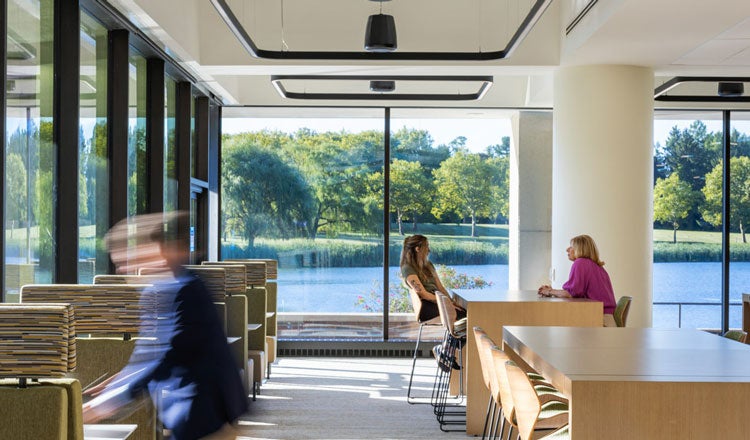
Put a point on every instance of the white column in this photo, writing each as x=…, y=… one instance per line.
x=603, y=175
x=530, y=200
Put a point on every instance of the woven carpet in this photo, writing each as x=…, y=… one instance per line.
x=343, y=398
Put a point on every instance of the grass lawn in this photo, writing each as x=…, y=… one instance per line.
x=694, y=236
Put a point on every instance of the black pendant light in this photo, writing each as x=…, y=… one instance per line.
x=380, y=34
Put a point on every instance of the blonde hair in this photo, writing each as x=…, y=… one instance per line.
x=411, y=256
x=585, y=247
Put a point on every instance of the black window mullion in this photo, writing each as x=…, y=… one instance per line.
x=214, y=187
x=184, y=97
x=155, y=133
x=386, y=218
x=3, y=81
x=117, y=123
x=66, y=124
x=201, y=136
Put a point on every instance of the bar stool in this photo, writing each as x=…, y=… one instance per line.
x=416, y=303
x=447, y=362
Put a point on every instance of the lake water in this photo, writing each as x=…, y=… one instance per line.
x=337, y=289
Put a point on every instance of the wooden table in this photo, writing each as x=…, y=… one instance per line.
x=630, y=383
x=491, y=310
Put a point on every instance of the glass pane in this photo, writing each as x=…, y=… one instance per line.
x=739, y=203
x=308, y=191
x=170, y=148
x=30, y=170
x=137, y=160
x=449, y=182
x=93, y=210
x=687, y=219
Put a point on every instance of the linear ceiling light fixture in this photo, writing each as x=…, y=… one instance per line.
x=729, y=89
x=381, y=86
x=536, y=9
x=380, y=34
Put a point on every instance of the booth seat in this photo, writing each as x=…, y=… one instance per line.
x=37, y=348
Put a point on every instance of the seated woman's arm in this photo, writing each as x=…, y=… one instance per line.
x=547, y=290
x=414, y=283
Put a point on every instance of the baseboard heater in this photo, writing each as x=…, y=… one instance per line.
x=352, y=349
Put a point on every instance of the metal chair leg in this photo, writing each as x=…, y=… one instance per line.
x=409, y=397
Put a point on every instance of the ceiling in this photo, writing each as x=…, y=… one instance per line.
x=701, y=39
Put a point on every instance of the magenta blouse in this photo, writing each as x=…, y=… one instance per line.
x=589, y=280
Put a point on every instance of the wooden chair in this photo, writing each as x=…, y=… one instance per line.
x=530, y=412
x=736, y=335
x=547, y=395
x=484, y=344
x=416, y=303
x=621, y=310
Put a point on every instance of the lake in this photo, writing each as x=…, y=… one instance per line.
x=336, y=289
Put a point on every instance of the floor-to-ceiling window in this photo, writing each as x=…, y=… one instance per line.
x=739, y=202
x=688, y=169
x=30, y=165
x=170, y=147
x=137, y=160
x=306, y=187
x=308, y=191
x=93, y=186
x=449, y=181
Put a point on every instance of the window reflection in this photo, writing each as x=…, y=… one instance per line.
x=30, y=169
x=93, y=187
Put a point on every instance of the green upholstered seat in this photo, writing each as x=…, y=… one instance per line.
x=737, y=335
x=621, y=311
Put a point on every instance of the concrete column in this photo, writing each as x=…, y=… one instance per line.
x=603, y=174
x=530, y=200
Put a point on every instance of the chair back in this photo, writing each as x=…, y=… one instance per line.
x=447, y=312
x=485, y=356
x=525, y=400
x=416, y=301
x=737, y=335
x=499, y=358
x=621, y=310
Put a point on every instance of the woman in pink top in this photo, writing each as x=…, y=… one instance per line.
x=587, y=279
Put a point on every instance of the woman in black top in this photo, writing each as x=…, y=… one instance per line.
x=420, y=275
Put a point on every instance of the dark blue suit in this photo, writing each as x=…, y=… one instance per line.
x=188, y=367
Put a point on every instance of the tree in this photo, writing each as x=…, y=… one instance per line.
x=411, y=191
x=264, y=193
x=464, y=185
x=673, y=200
x=15, y=181
x=739, y=194
x=691, y=152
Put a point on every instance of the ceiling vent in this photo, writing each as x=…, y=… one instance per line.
x=731, y=89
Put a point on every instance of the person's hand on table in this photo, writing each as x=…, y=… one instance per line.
x=545, y=290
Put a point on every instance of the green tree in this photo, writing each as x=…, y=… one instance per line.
x=15, y=180
x=739, y=194
x=691, y=152
x=263, y=193
x=411, y=191
x=673, y=200
x=464, y=185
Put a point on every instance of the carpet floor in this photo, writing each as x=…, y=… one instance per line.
x=343, y=398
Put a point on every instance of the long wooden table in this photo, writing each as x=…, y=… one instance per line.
x=647, y=383
x=491, y=310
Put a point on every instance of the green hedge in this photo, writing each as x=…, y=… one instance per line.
x=665, y=252
x=352, y=253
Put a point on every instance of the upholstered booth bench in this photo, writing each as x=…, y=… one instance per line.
x=37, y=348
x=108, y=320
